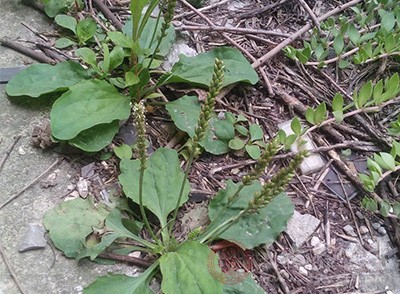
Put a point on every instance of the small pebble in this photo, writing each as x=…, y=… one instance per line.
x=349, y=230
x=303, y=271
x=21, y=151
x=363, y=230
x=320, y=248
x=360, y=215
x=376, y=225
x=308, y=267
x=370, y=241
x=315, y=241
x=382, y=230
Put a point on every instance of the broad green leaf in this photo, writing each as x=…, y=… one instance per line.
x=85, y=29
x=289, y=140
x=241, y=118
x=364, y=94
x=353, y=33
x=85, y=105
x=310, y=116
x=53, y=7
x=337, y=102
x=368, y=182
x=87, y=56
x=184, y=112
x=295, y=125
x=63, y=43
x=246, y=286
x=72, y=221
x=116, y=57
x=123, y=152
x=388, y=21
x=163, y=178
x=338, y=44
x=229, y=116
x=392, y=86
x=256, y=133
x=236, y=144
x=188, y=270
x=254, y=229
x=114, y=229
x=120, y=39
x=136, y=8
x=320, y=113
x=199, y=69
x=395, y=151
x=122, y=284
x=39, y=79
x=67, y=22
x=96, y=138
x=253, y=151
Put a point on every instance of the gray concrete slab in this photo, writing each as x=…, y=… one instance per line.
x=41, y=271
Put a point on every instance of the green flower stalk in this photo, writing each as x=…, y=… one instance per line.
x=277, y=184
x=202, y=125
x=207, y=108
x=270, y=150
x=138, y=113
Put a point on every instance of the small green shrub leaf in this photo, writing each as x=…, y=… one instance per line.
x=254, y=229
x=338, y=44
x=236, y=144
x=353, y=33
x=117, y=56
x=369, y=204
x=396, y=209
x=364, y=94
x=388, y=21
x=85, y=105
x=96, y=138
x=191, y=270
x=241, y=130
x=67, y=22
x=120, y=39
x=123, y=152
x=72, y=221
x=131, y=79
x=224, y=130
x=256, y=133
x=162, y=182
x=386, y=161
x=85, y=29
x=39, y=79
x=320, y=113
x=310, y=115
x=377, y=92
x=295, y=125
x=384, y=208
x=253, y=151
x=199, y=69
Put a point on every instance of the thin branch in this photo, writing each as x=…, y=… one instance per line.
x=205, y=8
x=107, y=13
x=12, y=273
x=27, y=51
x=311, y=13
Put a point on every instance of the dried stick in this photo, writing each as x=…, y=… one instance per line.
x=19, y=193
x=311, y=13
x=28, y=52
x=8, y=151
x=261, y=10
x=124, y=258
x=230, y=29
x=12, y=273
x=205, y=8
x=297, y=34
x=107, y=13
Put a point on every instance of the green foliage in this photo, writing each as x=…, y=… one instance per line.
x=83, y=30
x=254, y=229
x=196, y=70
x=123, y=151
x=162, y=182
x=54, y=7
x=191, y=264
x=46, y=79
x=370, y=32
x=71, y=222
